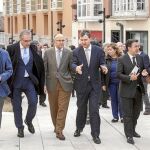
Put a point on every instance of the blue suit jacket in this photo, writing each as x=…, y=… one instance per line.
x=93, y=70
x=5, y=72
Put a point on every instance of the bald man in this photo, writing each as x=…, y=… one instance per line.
x=57, y=61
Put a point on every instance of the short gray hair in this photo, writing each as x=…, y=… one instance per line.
x=24, y=32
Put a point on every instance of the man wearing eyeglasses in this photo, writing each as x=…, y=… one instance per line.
x=59, y=84
x=28, y=77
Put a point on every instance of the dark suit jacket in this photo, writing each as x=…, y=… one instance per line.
x=97, y=59
x=37, y=70
x=127, y=87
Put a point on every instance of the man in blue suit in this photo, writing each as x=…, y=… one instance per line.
x=28, y=77
x=88, y=60
x=5, y=73
x=145, y=96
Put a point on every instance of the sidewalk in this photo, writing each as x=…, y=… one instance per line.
x=112, y=135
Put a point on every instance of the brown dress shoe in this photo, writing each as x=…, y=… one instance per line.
x=60, y=136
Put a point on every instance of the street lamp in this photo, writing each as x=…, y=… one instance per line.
x=60, y=26
x=103, y=21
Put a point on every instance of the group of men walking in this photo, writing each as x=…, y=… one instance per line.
x=32, y=75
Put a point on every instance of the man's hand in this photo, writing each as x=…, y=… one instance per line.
x=79, y=69
x=134, y=76
x=104, y=69
x=144, y=73
x=104, y=87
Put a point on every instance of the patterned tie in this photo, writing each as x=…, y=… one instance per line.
x=58, y=57
x=87, y=56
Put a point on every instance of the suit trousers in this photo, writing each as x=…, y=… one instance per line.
x=1, y=107
x=58, y=101
x=115, y=100
x=28, y=88
x=131, y=111
x=82, y=100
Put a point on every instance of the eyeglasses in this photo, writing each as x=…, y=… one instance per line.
x=60, y=40
x=26, y=40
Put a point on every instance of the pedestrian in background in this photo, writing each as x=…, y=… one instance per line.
x=145, y=96
x=28, y=77
x=5, y=73
x=112, y=82
x=57, y=61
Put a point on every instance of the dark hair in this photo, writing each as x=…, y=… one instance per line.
x=129, y=42
x=85, y=32
x=141, y=47
x=45, y=44
x=72, y=47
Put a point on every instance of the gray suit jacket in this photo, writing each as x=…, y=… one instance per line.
x=127, y=87
x=64, y=71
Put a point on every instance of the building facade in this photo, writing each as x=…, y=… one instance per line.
x=44, y=18
x=124, y=19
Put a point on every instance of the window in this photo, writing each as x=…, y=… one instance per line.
x=23, y=6
x=45, y=4
x=140, y=5
x=129, y=7
x=33, y=5
x=89, y=9
x=38, y=4
x=15, y=6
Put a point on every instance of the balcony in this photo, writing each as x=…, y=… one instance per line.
x=56, y=5
x=130, y=10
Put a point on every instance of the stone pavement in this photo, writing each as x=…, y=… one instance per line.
x=112, y=135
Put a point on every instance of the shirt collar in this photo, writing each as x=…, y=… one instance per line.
x=58, y=49
x=89, y=48
x=131, y=56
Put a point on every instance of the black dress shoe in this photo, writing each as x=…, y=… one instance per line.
x=77, y=132
x=135, y=134
x=121, y=120
x=43, y=104
x=114, y=120
x=146, y=113
x=20, y=133
x=30, y=127
x=96, y=140
x=130, y=140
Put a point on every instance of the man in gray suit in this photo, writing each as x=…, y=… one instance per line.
x=129, y=70
x=57, y=61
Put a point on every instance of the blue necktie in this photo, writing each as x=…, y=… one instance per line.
x=25, y=56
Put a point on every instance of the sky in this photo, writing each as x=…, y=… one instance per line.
x=1, y=5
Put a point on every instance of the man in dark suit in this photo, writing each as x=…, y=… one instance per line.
x=145, y=96
x=87, y=61
x=129, y=69
x=28, y=77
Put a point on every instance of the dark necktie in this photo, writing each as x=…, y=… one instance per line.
x=134, y=62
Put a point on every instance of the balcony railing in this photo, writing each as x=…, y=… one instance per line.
x=56, y=5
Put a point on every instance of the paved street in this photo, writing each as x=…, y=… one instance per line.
x=112, y=135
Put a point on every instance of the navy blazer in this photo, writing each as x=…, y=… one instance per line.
x=92, y=71
x=5, y=72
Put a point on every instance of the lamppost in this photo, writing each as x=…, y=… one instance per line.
x=60, y=26
x=103, y=21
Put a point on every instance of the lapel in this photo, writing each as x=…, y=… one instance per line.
x=53, y=57
x=64, y=54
